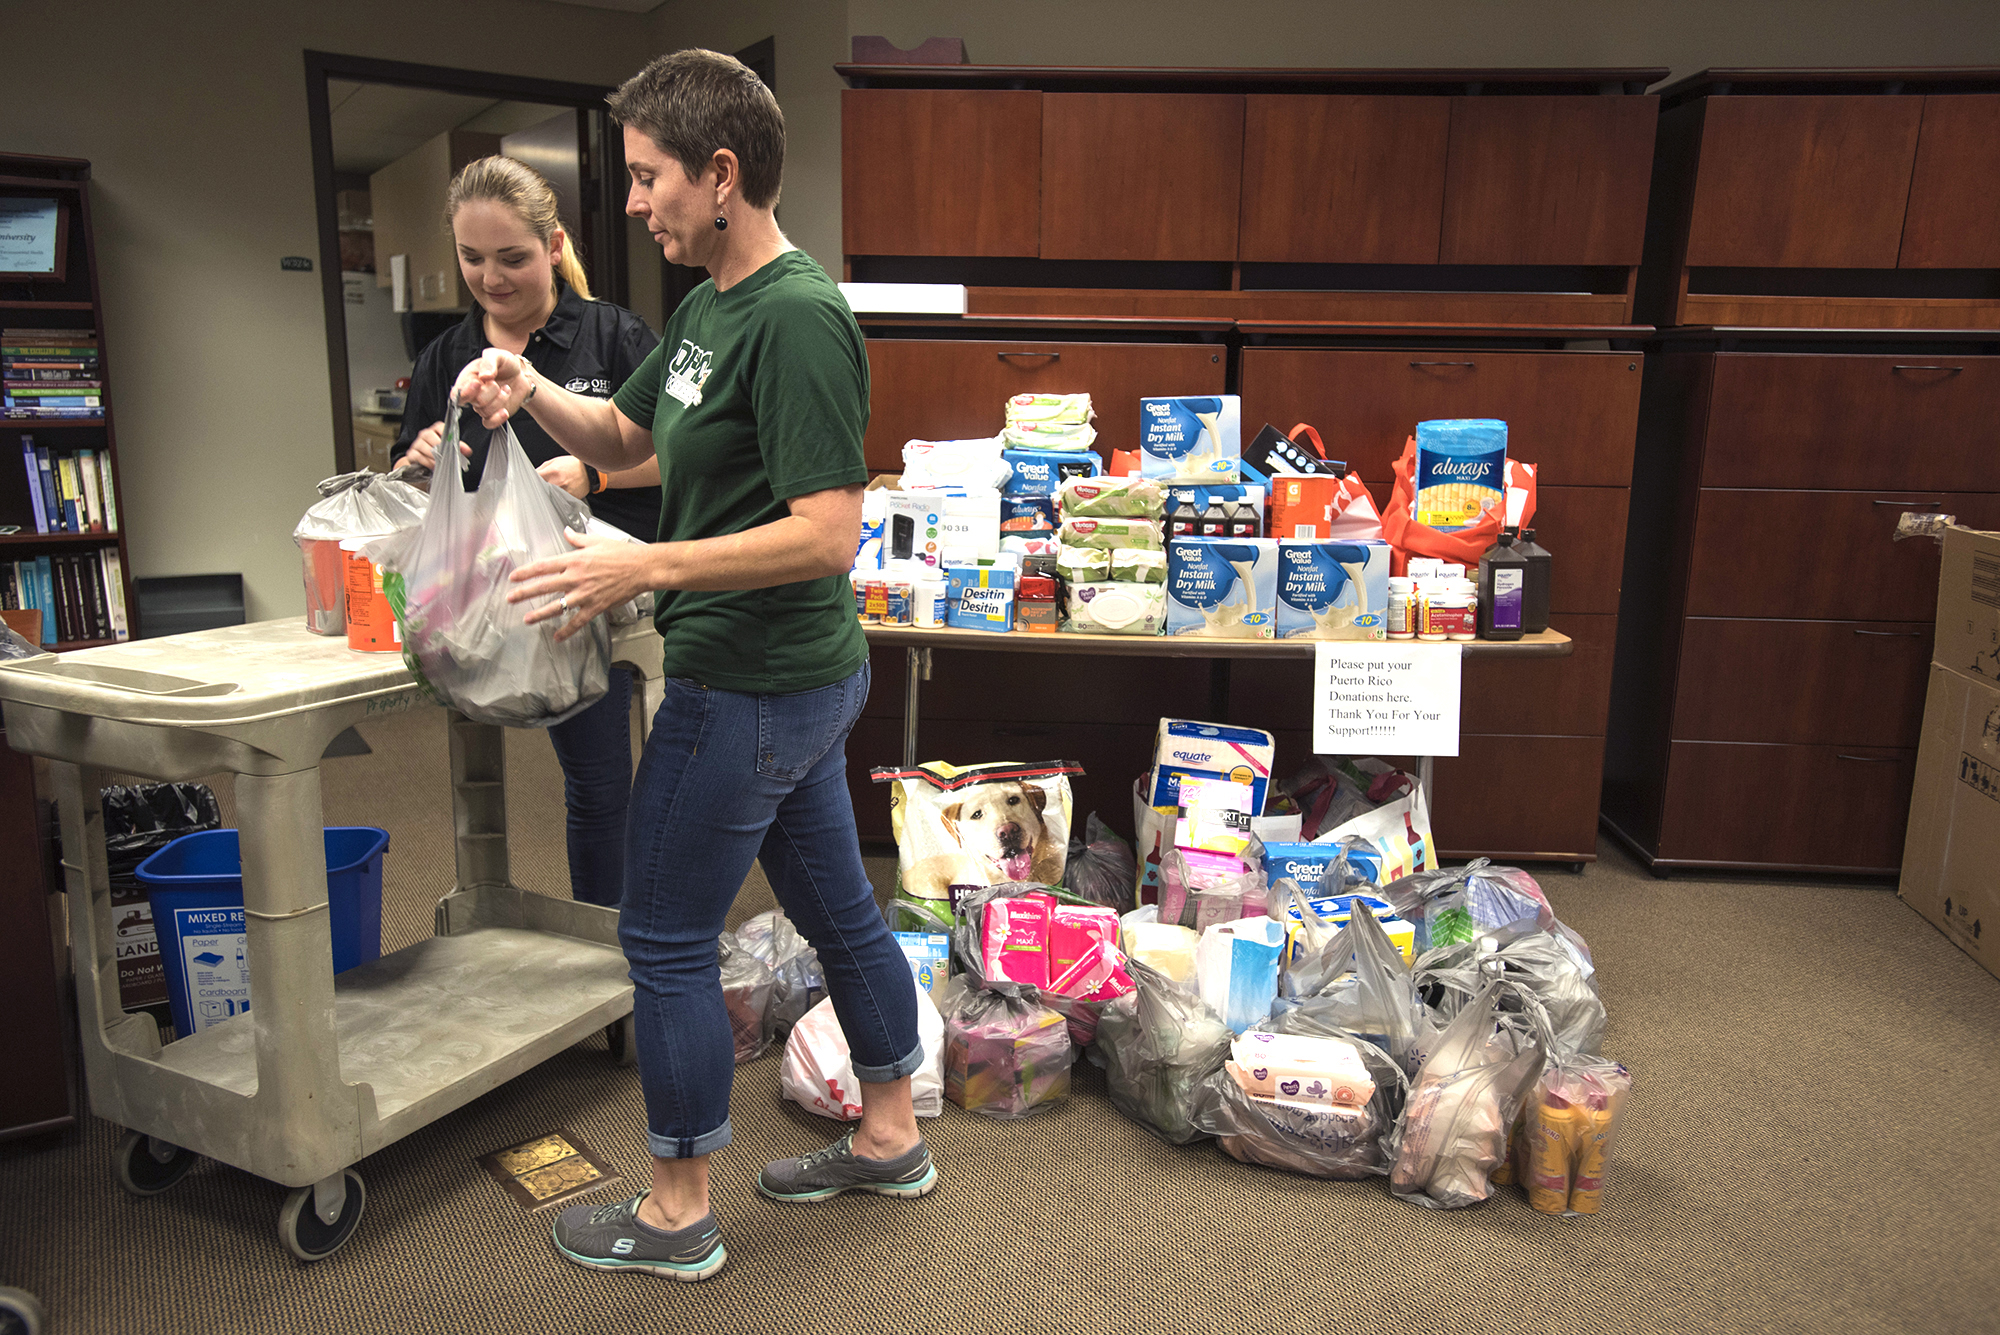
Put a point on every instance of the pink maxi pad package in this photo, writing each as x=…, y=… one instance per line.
x=1014, y=938
x=1082, y=936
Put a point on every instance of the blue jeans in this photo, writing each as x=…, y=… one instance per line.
x=728, y=779
x=595, y=748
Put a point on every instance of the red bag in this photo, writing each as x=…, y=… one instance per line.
x=1466, y=545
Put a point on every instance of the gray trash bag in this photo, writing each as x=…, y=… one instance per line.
x=1159, y=1043
x=747, y=985
x=1457, y=903
x=1320, y=1142
x=1358, y=983
x=1545, y=964
x=362, y=505
x=799, y=983
x=1102, y=867
x=1463, y=1102
x=448, y=578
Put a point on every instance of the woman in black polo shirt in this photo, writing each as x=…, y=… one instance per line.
x=534, y=300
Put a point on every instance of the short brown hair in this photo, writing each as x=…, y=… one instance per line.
x=694, y=102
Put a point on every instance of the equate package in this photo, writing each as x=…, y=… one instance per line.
x=1186, y=748
x=1102, y=608
x=1042, y=472
x=1223, y=588
x=1079, y=935
x=1197, y=439
x=1054, y=409
x=1332, y=590
x=1111, y=498
x=1111, y=534
x=982, y=597
x=1301, y=1068
x=1461, y=469
x=1014, y=938
x=974, y=825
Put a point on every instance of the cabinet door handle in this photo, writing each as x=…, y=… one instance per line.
x=1879, y=760
x=1473, y=364
x=1913, y=505
x=1949, y=370
x=1023, y=732
x=1052, y=356
x=1912, y=634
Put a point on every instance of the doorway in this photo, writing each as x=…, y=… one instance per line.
x=403, y=130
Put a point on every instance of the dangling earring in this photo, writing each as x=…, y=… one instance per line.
x=721, y=223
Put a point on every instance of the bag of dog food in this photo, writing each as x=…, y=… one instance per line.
x=973, y=825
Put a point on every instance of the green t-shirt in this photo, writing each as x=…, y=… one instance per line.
x=756, y=395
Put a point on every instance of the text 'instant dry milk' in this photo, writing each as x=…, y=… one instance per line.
x=1198, y=439
x=1332, y=590
x=1223, y=588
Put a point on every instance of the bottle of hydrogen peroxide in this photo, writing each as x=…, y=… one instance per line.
x=1535, y=606
x=1503, y=577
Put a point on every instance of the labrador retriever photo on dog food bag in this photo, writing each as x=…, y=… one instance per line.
x=977, y=825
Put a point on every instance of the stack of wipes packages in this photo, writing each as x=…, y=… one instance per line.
x=1049, y=422
x=1197, y=439
x=1223, y=588
x=1109, y=557
x=1332, y=590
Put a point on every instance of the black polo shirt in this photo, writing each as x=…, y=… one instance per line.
x=587, y=347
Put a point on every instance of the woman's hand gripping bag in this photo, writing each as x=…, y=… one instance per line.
x=818, y=1068
x=973, y=825
x=447, y=580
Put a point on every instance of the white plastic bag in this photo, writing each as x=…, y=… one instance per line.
x=448, y=580
x=818, y=1070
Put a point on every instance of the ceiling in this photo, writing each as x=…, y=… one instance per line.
x=376, y=123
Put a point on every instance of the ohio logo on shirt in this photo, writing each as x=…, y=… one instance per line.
x=687, y=373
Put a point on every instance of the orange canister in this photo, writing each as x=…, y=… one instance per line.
x=371, y=624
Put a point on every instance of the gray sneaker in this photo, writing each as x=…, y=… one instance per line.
x=610, y=1237
x=837, y=1168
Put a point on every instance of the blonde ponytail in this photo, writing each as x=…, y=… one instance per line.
x=518, y=187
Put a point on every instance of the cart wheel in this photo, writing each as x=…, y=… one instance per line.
x=623, y=1042
x=1576, y=868
x=311, y=1238
x=140, y=1168
x=20, y=1314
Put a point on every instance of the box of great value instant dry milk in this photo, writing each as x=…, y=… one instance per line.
x=1223, y=588
x=1193, y=439
x=1185, y=748
x=1332, y=590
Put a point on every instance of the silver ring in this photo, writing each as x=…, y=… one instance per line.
x=563, y=602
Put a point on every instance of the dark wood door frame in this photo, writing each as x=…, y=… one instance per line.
x=603, y=187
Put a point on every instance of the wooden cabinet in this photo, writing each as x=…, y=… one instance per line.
x=1852, y=683
x=941, y=171
x=408, y=198
x=1803, y=182
x=940, y=389
x=1141, y=176
x=1548, y=180
x=1343, y=179
x=1954, y=211
x=1808, y=808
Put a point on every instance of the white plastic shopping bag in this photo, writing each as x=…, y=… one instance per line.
x=818, y=1070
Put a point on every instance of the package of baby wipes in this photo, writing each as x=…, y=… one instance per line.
x=1136, y=565
x=1332, y=590
x=1077, y=438
x=1109, y=534
x=1043, y=472
x=974, y=464
x=1111, y=497
x=1109, y=608
x=1224, y=588
x=1198, y=439
x=1049, y=410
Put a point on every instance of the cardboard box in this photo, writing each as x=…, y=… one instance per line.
x=1953, y=844
x=1223, y=588
x=1333, y=590
x=1196, y=439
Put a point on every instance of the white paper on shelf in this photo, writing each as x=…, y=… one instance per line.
x=905, y=298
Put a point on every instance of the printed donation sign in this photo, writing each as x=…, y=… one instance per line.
x=1385, y=699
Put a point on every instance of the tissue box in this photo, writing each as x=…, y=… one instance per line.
x=981, y=597
x=1236, y=969
x=1198, y=439
x=1184, y=747
x=1333, y=590
x=1223, y=588
x=1042, y=472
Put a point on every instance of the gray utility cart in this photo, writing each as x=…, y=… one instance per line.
x=323, y=1071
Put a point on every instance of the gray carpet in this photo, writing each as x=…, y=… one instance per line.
x=1810, y=1146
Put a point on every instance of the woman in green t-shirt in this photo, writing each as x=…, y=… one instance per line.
x=754, y=403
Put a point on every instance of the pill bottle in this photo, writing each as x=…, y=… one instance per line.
x=1464, y=620
x=1402, y=609
x=1431, y=610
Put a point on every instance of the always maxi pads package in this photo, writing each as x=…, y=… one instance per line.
x=1191, y=439
x=1461, y=469
x=1224, y=588
x=1042, y=472
x=1332, y=590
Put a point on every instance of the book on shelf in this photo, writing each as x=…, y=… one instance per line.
x=50, y=372
x=45, y=598
x=107, y=492
x=70, y=492
x=86, y=464
x=48, y=473
x=114, y=586
x=66, y=493
x=34, y=468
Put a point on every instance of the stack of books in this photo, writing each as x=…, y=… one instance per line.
x=49, y=373
x=82, y=596
x=70, y=493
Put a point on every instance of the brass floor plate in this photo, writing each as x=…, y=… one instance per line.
x=547, y=1170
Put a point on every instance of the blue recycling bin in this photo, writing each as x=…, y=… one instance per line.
x=195, y=885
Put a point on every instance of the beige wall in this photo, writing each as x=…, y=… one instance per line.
x=195, y=119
